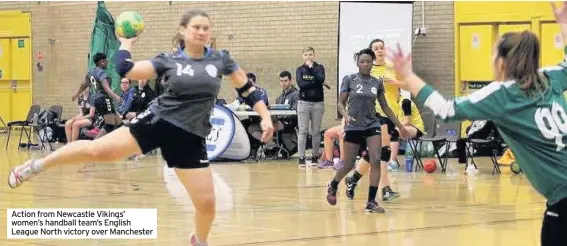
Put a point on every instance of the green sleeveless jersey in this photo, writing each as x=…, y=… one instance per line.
x=534, y=127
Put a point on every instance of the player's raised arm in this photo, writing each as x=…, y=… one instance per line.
x=127, y=68
x=486, y=103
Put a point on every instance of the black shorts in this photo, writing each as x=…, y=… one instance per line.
x=359, y=137
x=554, y=224
x=104, y=106
x=180, y=148
x=419, y=132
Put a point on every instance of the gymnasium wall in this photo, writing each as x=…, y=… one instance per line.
x=264, y=37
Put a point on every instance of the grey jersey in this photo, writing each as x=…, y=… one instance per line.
x=192, y=88
x=95, y=77
x=361, y=102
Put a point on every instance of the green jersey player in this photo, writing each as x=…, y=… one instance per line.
x=527, y=106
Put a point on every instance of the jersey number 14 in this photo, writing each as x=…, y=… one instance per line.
x=552, y=123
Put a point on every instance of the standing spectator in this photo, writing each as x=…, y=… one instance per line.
x=310, y=78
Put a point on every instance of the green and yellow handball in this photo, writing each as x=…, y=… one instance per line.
x=129, y=24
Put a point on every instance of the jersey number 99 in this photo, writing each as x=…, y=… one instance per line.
x=552, y=124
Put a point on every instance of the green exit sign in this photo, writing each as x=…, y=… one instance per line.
x=20, y=43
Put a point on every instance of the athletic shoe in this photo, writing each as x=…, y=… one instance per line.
x=373, y=207
x=393, y=166
x=325, y=164
x=350, y=187
x=331, y=195
x=302, y=162
x=339, y=164
x=20, y=174
x=194, y=241
x=388, y=194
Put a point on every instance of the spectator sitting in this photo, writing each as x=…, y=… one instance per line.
x=288, y=123
x=254, y=128
x=84, y=119
x=142, y=97
x=331, y=135
x=252, y=78
x=127, y=97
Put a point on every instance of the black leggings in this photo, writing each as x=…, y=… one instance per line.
x=554, y=228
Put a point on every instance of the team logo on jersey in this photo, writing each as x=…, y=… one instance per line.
x=211, y=70
x=374, y=90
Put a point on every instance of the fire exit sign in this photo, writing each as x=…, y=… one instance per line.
x=20, y=43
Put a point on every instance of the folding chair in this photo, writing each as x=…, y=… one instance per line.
x=32, y=114
x=439, y=139
x=57, y=110
x=493, y=144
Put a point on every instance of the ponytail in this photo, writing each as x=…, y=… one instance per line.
x=521, y=51
x=178, y=41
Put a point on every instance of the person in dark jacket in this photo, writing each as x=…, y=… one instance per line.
x=288, y=123
x=289, y=96
x=310, y=78
x=142, y=97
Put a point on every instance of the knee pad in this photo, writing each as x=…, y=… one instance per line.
x=394, y=135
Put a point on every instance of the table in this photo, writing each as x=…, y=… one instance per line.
x=243, y=114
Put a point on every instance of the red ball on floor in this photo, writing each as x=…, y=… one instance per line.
x=430, y=166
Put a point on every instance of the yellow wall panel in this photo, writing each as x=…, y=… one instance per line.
x=21, y=102
x=21, y=58
x=551, y=44
x=15, y=64
x=501, y=11
x=5, y=59
x=475, y=45
x=15, y=24
x=5, y=102
x=504, y=28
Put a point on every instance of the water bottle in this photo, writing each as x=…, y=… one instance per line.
x=409, y=157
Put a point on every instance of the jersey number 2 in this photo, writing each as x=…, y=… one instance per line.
x=359, y=89
x=552, y=124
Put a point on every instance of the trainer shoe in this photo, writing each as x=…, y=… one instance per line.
x=331, y=195
x=388, y=194
x=393, y=166
x=194, y=241
x=350, y=187
x=325, y=164
x=373, y=207
x=20, y=174
x=314, y=160
x=301, y=162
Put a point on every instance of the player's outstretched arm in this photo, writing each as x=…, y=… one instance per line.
x=486, y=103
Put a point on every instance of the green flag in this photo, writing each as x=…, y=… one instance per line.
x=104, y=40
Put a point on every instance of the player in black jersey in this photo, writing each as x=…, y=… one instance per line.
x=359, y=93
x=101, y=94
